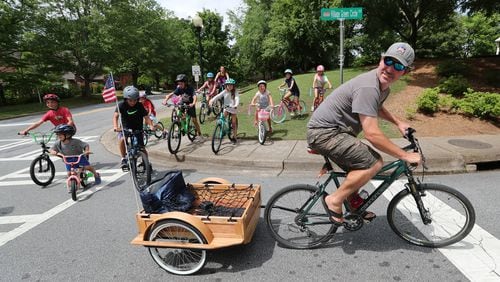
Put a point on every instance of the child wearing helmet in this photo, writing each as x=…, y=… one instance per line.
x=231, y=102
x=68, y=146
x=210, y=85
x=293, y=88
x=319, y=82
x=264, y=100
x=56, y=114
x=188, y=97
x=133, y=115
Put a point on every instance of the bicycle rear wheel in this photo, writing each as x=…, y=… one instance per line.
x=451, y=214
x=217, y=138
x=191, y=130
x=145, y=136
x=42, y=170
x=159, y=129
x=174, y=138
x=303, y=107
x=278, y=114
x=141, y=170
x=288, y=224
x=262, y=132
x=177, y=261
x=73, y=187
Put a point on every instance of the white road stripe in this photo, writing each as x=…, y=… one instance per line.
x=60, y=174
x=477, y=256
x=13, y=144
x=33, y=222
x=15, y=124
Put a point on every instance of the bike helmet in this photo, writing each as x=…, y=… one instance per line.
x=261, y=82
x=130, y=92
x=142, y=94
x=230, y=81
x=181, y=77
x=65, y=129
x=51, y=97
x=210, y=75
x=288, y=71
x=320, y=68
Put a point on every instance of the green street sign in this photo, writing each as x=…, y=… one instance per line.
x=332, y=14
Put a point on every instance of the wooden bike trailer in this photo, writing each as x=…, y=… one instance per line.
x=219, y=231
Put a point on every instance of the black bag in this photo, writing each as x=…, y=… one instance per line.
x=166, y=194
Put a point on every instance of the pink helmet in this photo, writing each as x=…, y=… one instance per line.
x=320, y=68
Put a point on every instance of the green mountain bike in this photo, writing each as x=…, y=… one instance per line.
x=223, y=127
x=181, y=125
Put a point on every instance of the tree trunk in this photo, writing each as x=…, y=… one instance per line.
x=3, y=100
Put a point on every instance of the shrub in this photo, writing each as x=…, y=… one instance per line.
x=427, y=103
x=455, y=85
x=480, y=104
x=452, y=67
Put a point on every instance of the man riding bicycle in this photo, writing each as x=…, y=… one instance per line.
x=354, y=107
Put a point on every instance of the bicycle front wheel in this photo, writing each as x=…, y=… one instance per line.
x=174, y=138
x=191, y=130
x=217, y=138
x=290, y=225
x=159, y=129
x=73, y=187
x=278, y=114
x=145, y=137
x=451, y=216
x=141, y=170
x=42, y=170
x=262, y=132
x=178, y=261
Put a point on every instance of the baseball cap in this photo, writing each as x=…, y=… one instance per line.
x=402, y=52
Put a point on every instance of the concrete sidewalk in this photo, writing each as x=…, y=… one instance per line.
x=443, y=154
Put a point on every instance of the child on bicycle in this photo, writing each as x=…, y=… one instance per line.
x=293, y=88
x=264, y=99
x=231, y=102
x=210, y=85
x=319, y=82
x=188, y=97
x=69, y=146
x=133, y=115
x=221, y=78
x=56, y=114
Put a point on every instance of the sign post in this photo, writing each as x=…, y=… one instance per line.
x=196, y=70
x=341, y=14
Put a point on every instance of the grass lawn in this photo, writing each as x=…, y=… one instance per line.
x=292, y=128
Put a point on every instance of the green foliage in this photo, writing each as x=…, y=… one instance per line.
x=427, y=103
x=455, y=85
x=145, y=80
x=480, y=104
x=481, y=31
x=452, y=67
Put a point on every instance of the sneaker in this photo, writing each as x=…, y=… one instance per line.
x=312, y=108
x=164, y=134
x=292, y=114
x=124, y=163
x=97, y=179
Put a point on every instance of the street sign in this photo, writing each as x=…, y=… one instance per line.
x=196, y=70
x=332, y=14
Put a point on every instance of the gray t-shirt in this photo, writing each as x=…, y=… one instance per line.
x=360, y=95
x=73, y=147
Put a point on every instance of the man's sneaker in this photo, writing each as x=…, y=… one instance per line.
x=97, y=179
x=124, y=164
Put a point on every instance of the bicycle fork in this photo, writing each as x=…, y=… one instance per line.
x=417, y=195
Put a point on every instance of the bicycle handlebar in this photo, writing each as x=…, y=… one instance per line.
x=78, y=158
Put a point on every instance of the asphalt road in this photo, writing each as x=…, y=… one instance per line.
x=45, y=236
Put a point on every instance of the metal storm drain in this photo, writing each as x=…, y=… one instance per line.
x=469, y=144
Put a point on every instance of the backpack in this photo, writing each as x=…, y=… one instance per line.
x=166, y=194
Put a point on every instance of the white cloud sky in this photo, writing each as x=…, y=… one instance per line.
x=189, y=8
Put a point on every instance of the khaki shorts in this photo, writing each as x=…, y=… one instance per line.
x=344, y=149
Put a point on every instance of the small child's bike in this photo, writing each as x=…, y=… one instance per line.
x=263, y=116
x=278, y=114
x=42, y=169
x=224, y=126
x=78, y=176
x=181, y=125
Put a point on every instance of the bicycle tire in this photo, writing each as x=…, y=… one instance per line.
x=217, y=137
x=177, y=261
x=174, y=138
x=282, y=211
x=159, y=129
x=42, y=170
x=141, y=170
x=303, y=106
x=451, y=221
x=230, y=130
x=173, y=115
x=145, y=137
x=73, y=187
x=262, y=132
x=278, y=114
x=217, y=107
x=191, y=130
x=203, y=113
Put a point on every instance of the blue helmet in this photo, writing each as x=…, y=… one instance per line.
x=210, y=75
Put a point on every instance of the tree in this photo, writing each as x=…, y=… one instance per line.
x=481, y=31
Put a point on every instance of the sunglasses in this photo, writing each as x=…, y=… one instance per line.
x=389, y=61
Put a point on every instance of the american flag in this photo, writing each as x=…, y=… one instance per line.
x=108, y=93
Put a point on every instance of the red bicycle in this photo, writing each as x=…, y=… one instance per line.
x=278, y=113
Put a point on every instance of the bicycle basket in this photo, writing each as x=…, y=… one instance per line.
x=263, y=115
